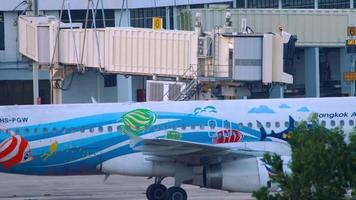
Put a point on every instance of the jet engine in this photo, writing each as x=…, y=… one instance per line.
x=242, y=175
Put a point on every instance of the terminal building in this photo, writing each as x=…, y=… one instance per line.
x=318, y=64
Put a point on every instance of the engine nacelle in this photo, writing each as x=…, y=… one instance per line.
x=242, y=175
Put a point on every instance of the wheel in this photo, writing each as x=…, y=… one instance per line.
x=156, y=192
x=176, y=193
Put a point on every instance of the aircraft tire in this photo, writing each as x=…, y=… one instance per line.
x=176, y=193
x=156, y=192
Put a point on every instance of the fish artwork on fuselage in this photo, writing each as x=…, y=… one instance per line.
x=283, y=135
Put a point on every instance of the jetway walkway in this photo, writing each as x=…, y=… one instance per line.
x=112, y=50
x=191, y=57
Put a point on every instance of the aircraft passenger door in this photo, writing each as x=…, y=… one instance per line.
x=228, y=128
x=212, y=126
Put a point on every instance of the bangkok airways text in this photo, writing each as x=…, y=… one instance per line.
x=336, y=115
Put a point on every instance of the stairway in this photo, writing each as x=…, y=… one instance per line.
x=189, y=91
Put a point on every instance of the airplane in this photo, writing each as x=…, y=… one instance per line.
x=214, y=144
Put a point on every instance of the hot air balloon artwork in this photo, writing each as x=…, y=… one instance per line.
x=14, y=150
x=138, y=120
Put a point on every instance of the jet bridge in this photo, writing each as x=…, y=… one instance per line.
x=196, y=56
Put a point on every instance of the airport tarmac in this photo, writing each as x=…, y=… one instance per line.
x=16, y=187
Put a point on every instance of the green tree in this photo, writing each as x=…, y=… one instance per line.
x=321, y=165
x=352, y=146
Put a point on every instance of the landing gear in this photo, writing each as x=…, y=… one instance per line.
x=156, y=192
x=176, y=193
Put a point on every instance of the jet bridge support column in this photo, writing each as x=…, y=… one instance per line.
x=35, y=68
x=276, y=92
x=124, y=87
x=312, y=77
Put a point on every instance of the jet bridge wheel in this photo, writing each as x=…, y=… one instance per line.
x=176, y=193
x=156, y=192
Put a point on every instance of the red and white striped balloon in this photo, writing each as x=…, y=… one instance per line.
x=14, y=150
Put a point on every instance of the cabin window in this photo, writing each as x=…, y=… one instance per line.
x=110, y=129
x=277, y=124
x=101, y=129
x=259, y=125
x=332, y=123
x=82, y=130
x=342, y=123
x=296, y=124
x=227, y=124
x=91, y=130
x=192, y=126
x=35, y=130
x=241, y=125
x=27, y=131
x=165, y=127
x=212, y=124
x=268, y=124
x=174, y=127
x=351, y=122
x=64, y=130
x=54, y=130
x=184, y=127
x=45, y=130
x=250, y=125
x=286, y=124
x=202, y=127
x=323, y=123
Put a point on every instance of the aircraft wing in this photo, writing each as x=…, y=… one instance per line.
x=190, y=152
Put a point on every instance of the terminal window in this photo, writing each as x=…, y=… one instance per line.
x=2, y=32
x=334, y=4
x=78, y=16
x=142, y=17
x=262, y=4
x=298, y=4
x=240, y=3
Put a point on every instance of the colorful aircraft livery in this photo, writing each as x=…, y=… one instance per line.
x=161, y=139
